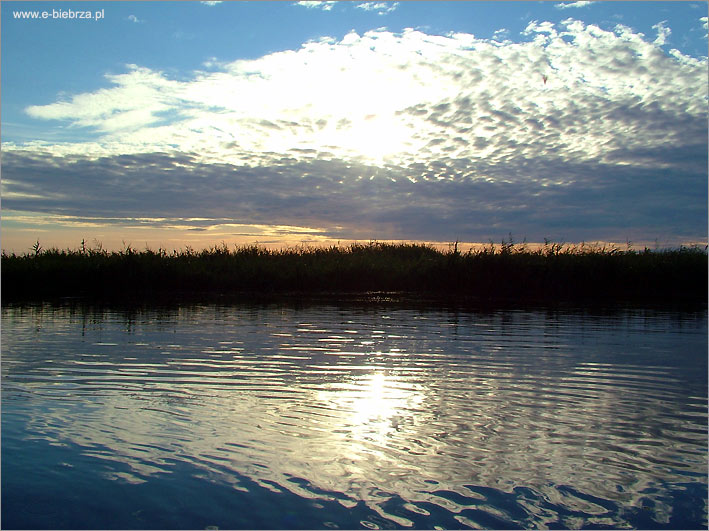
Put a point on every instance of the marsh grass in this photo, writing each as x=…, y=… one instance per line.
x=507, y=271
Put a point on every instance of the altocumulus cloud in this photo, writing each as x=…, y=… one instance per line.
x=380, y=7
x=577, y=133
x=580, y=3
x=325, y=5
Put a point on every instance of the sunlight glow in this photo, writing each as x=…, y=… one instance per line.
x=374, y=139
x=374, y=408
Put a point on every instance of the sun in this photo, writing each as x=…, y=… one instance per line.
x=375, y=139
x=380, y=138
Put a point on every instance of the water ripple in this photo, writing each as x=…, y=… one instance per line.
x=372, y=417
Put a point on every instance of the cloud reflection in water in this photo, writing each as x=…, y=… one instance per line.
x=527, y=418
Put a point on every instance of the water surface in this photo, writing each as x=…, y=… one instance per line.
x=352, y=416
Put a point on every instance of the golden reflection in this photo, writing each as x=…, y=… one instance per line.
x=371, y=410
x=375, y=408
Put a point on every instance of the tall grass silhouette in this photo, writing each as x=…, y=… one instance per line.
x=509, y=271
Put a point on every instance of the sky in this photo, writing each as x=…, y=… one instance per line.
x=175, y=124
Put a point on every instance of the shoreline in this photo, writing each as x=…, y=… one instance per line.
x=506, y=275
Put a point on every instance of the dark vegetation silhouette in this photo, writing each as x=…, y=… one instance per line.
x=509, y=271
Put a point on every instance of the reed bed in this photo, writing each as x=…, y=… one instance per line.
x=507, y=271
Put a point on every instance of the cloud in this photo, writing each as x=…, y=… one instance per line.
x=579, y=3
x=135, y=19
x=325, y=5
x=340, y=199
x=213, y=62
x=662, y=32
x=382, y=8
x=501, y=34
x=137, y=100
x=211, y=2
x=393, y=135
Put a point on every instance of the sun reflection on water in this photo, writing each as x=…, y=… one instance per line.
x=373, y=408
x=438, y=416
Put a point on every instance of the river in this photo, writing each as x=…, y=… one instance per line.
x=352, y=415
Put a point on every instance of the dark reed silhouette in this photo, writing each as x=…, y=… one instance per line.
x=554, y=272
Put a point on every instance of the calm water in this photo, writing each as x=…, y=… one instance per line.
x=352, y=416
